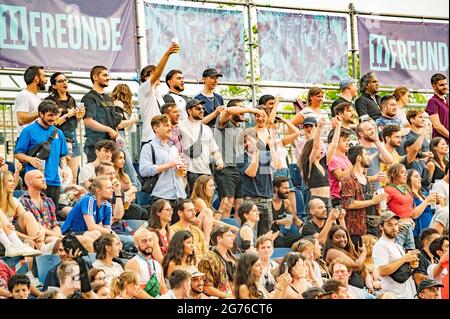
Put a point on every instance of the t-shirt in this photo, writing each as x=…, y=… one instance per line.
x=26, y=101
x=386, y=251
x=228, y=139
x=261, y=184
x=436, y=105
x=441, y=216
x=383, y=121
x=441, y=187
x=399, y=203
x=309, y=229
x=366, y=104
x=189, y=132
x=86, y=172
x=375, y=164
x=101, y=108
x=338, y=161
x=211, y=103
x=150, y=101
x=424, y=262
x=87, y=206
x=413, y=135
x=180, y=100
x=35, y=134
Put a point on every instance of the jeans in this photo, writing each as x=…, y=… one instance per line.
x=405, y=237
x=127, y=241
x=265, y=214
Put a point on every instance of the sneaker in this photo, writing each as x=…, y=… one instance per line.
x=13, y=251
x=27, y=251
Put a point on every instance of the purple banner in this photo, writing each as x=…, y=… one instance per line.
x=68, y=34
x=295, y=47
x=403, y=52
x=207, y=37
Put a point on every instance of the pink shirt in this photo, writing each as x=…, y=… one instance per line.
x=338, y=161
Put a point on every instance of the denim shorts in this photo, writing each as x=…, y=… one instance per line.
x=405, y=237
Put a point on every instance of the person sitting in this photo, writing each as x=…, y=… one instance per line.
x=180, y=281
x=428, y=289
x=118, y=159
x=373, y=281
x=197, y=284
x=336, y=289
x=307, y=249
x=125, y=286
x=180, y=253
x=19, y=286
x=295, y=265
x=108, y=247
x=102, y=290
x=103, y=152
x=74, y=280
x=264, y=248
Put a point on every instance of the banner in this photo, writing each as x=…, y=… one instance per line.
x=208, y=38
x=295, y=47
x=403, y=52
x=68, y=34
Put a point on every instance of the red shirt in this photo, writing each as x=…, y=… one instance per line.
x=444, y=290
x=399, y=203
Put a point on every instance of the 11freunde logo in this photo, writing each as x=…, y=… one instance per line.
x=386, y=54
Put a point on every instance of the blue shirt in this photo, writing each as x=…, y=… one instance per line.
x=261, y=184
x=87, y=206
x=169, y=185
x=35, y=134
x=383, y=121
x=424, y=220
x=211, y=103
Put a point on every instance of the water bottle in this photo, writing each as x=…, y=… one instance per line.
x=134, y=115
x=383, y=204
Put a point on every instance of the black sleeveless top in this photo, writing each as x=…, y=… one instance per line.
x=438, y=173
x=278, y=214
x=316, y=178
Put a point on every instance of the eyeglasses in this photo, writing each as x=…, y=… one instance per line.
x=62, y=81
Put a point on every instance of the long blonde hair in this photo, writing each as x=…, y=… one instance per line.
x=199, y=190
x=118, y=283
x=6, y=199
x=123, y=93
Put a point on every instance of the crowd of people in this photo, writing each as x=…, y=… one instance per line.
x=222, y=198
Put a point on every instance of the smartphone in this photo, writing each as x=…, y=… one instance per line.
x=360, y=242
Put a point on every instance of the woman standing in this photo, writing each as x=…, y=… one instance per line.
x=69, y=117
x=401, y=95
x=119, y=160
x=121, y=96
x=436, y=165
x=180, y=253
x=158, y=225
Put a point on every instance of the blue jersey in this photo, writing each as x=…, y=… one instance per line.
x=35, y=134
x=87, y=206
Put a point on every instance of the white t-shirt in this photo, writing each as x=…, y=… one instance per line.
x=149, y=101
x=189, y=133
x=144, y=271
x=441, y=187
x=26, y=101
x=441, y=216
x=86, y=172
x=181, y=106
x=168, y=295
x=386, y=251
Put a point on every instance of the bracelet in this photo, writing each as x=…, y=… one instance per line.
x=118, y=196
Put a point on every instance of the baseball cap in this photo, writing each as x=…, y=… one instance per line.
x=310, y=121
x=385, y=216
x=211, y=72
x=194, y=271
x=427, y=283
x=193, y=102
x=346, y=82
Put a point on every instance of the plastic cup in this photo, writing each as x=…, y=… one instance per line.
x=176, y=41
x=289, y=217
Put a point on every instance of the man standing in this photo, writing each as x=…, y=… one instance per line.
x=368, y=138
x=165, y=163
x=213, y=101
x=437, y=106
x=349, y=90
x=186, y=211
x=346, y=111
x=358, y=197
x=227, y=135
x=41, y=131
x=389, y=256
x=392, y=140
x=175, y=82
x=416, y=121
x=171, y=110
x=198, y=142
x=388, y=113
x=150, y=100
x=101, y=119
x=27, y=101
x=369, y=102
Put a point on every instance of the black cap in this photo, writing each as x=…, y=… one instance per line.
x=211, y=72
x=428, y=283
x=310, y=121
x=193, y=102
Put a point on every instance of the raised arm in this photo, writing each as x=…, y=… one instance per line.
x=334, y=142
x=162, y=63
x=293, y=132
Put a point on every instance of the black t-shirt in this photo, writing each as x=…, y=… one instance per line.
x=101, y=108
x=368, y=194
x=424, y=262
x=71, y=124
x=365, y=104
x=309, y=229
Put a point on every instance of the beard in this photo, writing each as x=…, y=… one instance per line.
x=365, y=164
x=41, y=86
x=370, y=138
x=283, y=195
x=146, y=252
x=237, y=118
x=179, y=88
x=197, y=291
x=391, y=235
x=197, y=117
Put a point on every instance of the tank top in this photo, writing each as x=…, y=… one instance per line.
x=438, y=173
x=278, y=214
x=316, y=178
x=240, y=241
x=146, y=269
